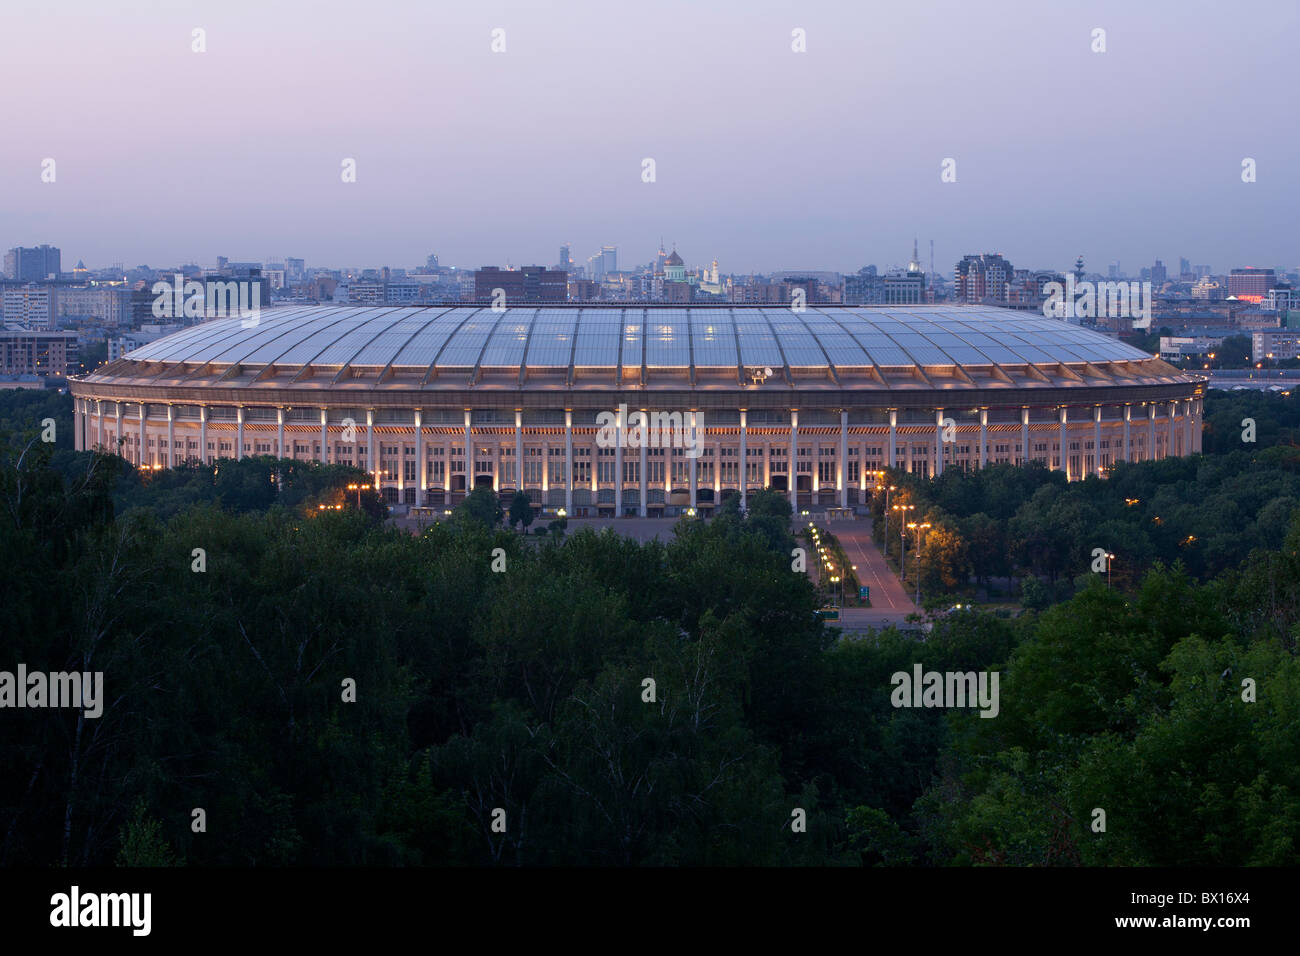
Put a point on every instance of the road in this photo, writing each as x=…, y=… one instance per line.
x=890, y=601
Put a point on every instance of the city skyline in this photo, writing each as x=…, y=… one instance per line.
x=942, y=267
x=765, y=157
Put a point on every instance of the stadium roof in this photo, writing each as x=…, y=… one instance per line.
x=338, y=346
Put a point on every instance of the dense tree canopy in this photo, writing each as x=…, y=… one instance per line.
x=330, y=690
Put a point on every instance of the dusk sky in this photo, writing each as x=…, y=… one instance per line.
x=765, y=158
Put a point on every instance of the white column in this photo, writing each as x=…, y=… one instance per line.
x=421, y=478
x=667, y=449
x=744, y=460
x=469, y=454
x=645, y=443
x=1096, y=441
x=1151, y=432
x=893, y=438
x=568, y=462
x=519, y=449
x=239, y=433
x=325, y=439
x=78, y=423
x=842, y=472
x=1128, y=418
x=1171, y=449
x=446, y=474
x=117, y=434
x=401, y=468
x=279, y=437
x=99, y=423
x=1024, y=435
x=695, y=445
x=372, y=463
x=203, y=435
x=793, y=474
x=938, y=442
x=984, y=437
x=619, y=438
x=144, y=446
x=1065, y=443
x=171, y=436
x=862, y=474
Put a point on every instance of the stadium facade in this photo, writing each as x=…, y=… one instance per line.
x=434, y=401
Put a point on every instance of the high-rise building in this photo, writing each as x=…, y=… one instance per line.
x=1184, y=266
x=1159, y=275
x=1250, y=283
x=904, y=288
x=31, y=306
x=37, y=352
x=32, y=265
x=525, y=284
x=106, y=305
x=609, y=259
x=864, y=287
x=982, y=278
x=565, y=261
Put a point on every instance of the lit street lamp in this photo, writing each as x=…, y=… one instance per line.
x=886, y=535
x=918, y=528
x=902, y=531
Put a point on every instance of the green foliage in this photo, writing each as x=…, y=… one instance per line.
x=667, y=703
x=521, y=510
x=481, y=506
x=143, y=843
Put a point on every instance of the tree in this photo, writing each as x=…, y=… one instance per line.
x=143, y=843
x=521, y=510
x=482, y=505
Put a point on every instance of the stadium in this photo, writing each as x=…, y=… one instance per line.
x=436, y=401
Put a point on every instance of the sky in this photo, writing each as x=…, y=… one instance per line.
x=764, y=158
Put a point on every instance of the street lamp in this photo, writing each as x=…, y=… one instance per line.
x=357, y=489
x=902, y=519
x=902, y=553
x=888, y=489
x=918, y=528
x=1109, y=559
